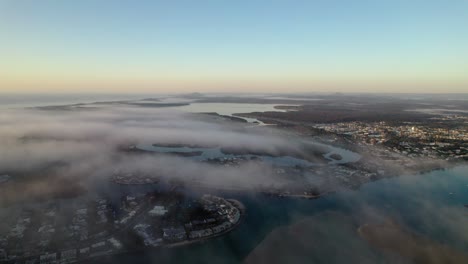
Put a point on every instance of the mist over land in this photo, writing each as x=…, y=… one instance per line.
x=230, y=132
x=85, y=143
x=268, y=151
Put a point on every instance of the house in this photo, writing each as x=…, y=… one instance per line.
x=158, y=211
x=68, y=256
x=174, y=234
x=48, y=258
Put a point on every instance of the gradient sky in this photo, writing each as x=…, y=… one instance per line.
x=233, y=46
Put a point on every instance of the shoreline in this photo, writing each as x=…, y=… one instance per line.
x=240, y=206
x=107, y=257
x=198, y=186
x=242, y=209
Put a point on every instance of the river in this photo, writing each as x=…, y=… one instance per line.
x=215, y=152
x=230, y=109
x=429, y=205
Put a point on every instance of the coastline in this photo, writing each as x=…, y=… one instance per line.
x=242, y=209
x=240, y=206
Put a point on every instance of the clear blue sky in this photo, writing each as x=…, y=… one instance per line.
x=234, y=45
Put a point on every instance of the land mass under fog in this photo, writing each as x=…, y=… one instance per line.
x=136, y=172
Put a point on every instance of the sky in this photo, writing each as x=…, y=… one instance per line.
x=233, y=46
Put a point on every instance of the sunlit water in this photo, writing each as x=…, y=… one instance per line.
x=227, y=109
x=230, y=109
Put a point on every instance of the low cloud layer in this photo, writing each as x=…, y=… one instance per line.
x=83, y=144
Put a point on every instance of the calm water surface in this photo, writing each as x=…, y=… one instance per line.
x=230, y=109
x=431, y=204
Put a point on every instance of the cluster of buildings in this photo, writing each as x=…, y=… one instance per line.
x=47, y=229
x=146, y=233
x=131, y=205
x=23, y=222
x=380, y=131
x=314, y=181
x=223, y=215
x=356, y=175
x=233, y=161
x=219, y=216
x=149, y=230
x=94, y=229
x=47, y=235
x=132, y=178
x=73, y=255
x=174, y=234
x=79, y=227
x=411, y=139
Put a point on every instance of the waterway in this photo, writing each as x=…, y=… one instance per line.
x=215, y=152
x=430, y=205
x=230, y=109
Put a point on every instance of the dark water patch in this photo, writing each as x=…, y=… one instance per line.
x=430, y=205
